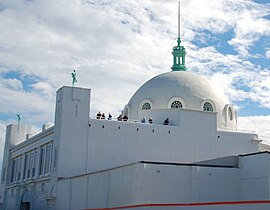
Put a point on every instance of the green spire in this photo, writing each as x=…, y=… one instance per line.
x=179, y=52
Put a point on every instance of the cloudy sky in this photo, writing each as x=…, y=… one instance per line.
x=117, y=45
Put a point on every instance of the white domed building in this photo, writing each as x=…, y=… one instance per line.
x=181, y=89
x=196, y=160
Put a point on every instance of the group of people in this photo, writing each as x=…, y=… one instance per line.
x=102, y=116
x=150, y=120
x=125, y=118
x=120, y=118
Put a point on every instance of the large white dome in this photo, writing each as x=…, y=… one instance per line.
x=181, y=88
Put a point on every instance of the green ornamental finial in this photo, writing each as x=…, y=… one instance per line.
x=74, y=79
x=179, y=52
x=19, y=118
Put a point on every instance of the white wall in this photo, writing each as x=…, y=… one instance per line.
x=87, y=146
x=187, y=119
x=15, y=134
x=83, y=191
x=255, y=176
x=31, y=192
x=109, y=146
x=71, y=130
x=188, y=184
x=149, y=183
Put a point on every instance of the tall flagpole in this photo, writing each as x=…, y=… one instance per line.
x=179, y=19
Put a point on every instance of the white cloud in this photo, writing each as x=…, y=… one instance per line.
x=34, y=107
x=260, y=89
x=13, y=83
x=267, y=53
x=249, y=28
x=44, y=88
x=259, y=124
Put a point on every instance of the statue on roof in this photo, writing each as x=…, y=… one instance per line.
x=19, y=118
x=74, y=78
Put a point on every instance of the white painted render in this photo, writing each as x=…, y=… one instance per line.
x=76, y=149
x=167, y=183
x=192, y=90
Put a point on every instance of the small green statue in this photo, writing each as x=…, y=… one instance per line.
x=74, y=79
x=19, y=118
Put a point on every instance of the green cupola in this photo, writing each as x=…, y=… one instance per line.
x=179, y=53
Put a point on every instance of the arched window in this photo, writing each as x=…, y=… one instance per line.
x=146, y=106
x=208, y=107
x=230, y=113
x=176, y=105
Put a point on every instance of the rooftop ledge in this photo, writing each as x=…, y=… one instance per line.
x=30, y=137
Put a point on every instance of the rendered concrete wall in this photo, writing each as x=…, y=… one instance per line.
x=188, y=184
x=87, y=146
x=215, y=184
x=123, y=185
x=164, y=184
x=98, y=187
x=112, y=143
x=34, y=193
x=148, y=183
x=255, y=176
x=187, y=119
x=71, y=130
x=15, y=134
x=63, y=194
x=10, y=199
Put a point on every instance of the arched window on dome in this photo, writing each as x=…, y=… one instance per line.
x=208, y=107
x=230, y=113
x=146, y=106
x=176, y=105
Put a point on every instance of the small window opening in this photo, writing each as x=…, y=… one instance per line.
x=208, y=107
x=146, y=106
x=230, y=113
x=176, y=105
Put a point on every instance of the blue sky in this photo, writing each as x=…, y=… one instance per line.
x=116, y=46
